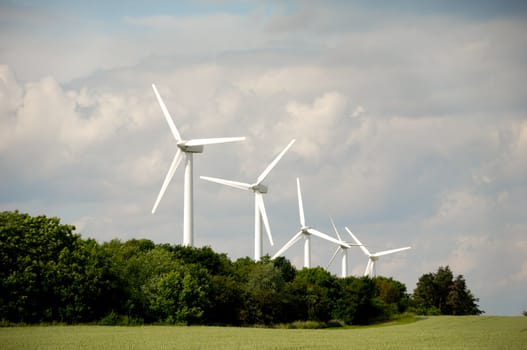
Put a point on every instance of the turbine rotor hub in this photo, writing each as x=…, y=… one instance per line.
x=260, y=188
x=190, y=149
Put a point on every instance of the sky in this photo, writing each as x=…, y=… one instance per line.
x=410, y=119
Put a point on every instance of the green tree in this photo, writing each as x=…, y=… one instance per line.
x=138, y=265
x=358, y=302
x=182, y=295
x=48, y=273
x=393, y=294
x=226, y=301
x=440, y=293
x=460, y=300
x=313, y=291
x=287, y=269
x=84, y=284
x=215, y=263
x=264, y=292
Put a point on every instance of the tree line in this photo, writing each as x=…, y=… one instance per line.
x=51, y=274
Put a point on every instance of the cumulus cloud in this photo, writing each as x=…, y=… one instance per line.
x=315, y=124
x=411, y=132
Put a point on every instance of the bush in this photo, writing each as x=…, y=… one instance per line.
x=302, y=325
x=113, y=319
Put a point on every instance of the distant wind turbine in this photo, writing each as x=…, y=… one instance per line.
x=372, y=258
x=306, y=232
x=259, y=208
x=188, y=147
x=342, y=247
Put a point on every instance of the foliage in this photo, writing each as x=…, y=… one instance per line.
x=441, y=293
x=49, y=274
x=181, y=294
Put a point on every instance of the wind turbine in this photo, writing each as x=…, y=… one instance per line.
x=259, y=208
x=372, y=258
x=187, y=147
x=306, y=232
x=342, y=247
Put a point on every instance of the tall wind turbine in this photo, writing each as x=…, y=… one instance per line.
x=343, y=248
x=259, y=208
x=306, y=232
x=372, y=258
x=187, y=147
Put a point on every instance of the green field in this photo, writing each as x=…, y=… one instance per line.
x=439, y=332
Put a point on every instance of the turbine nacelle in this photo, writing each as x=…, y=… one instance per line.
x=345, y=244
x=305, y=230
x=260, y=188
x=189, y=149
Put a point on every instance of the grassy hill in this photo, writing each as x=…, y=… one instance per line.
x=438, y=332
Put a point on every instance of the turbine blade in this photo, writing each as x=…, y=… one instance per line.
x=333, y=256
x=270, y=167
x=386, y=252
x=235, y=184
x=286, y=246
x=169, y=119
x=335, y=228
x=263, y=214
x=203, y=142
x=170, y=174
x=300, y=205
x=326, y=237
x=362, y=247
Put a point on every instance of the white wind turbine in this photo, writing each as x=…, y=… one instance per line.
x=259, y=208
x=343, y=248
x=188, y=147
x=372, y=258
x=306, y=232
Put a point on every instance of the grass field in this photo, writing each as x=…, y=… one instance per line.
x=439, y=332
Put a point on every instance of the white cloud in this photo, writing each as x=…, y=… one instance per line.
x=314, y=125
x=411, y=132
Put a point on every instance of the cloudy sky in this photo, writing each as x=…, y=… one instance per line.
x=410, y=119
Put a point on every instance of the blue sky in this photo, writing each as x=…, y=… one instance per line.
x=410, y=119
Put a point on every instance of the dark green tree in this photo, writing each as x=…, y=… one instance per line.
x=440, y=293
x=313, y=291
x=226, y=301
x=358, y=302
x=392, y=294
x=263, y=293
x=50, y=274
x=460, y=300
x=215, y=263
x=138, y=265
x=287, y=269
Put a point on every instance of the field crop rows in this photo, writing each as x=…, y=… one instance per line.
x=440, y=332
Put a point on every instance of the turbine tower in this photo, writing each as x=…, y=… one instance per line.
x=343, y=248
x=372, y=258
x=187, y=147
x=306, y=232
x=259, y=208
